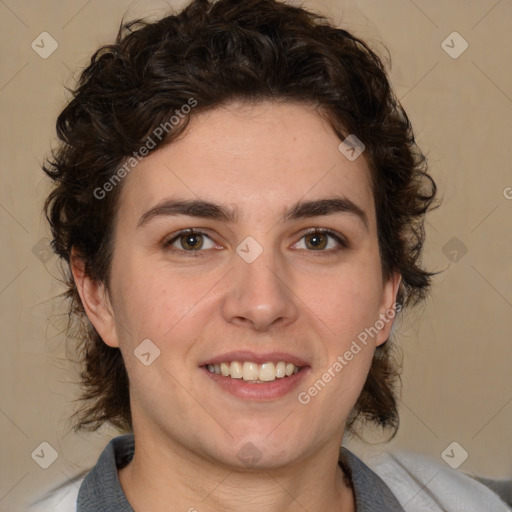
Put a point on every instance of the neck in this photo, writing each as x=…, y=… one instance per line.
x=164, y=476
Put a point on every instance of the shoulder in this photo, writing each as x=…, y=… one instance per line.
x=422, y=484
x=94, y=487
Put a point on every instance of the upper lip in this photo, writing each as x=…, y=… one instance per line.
x=247, y=355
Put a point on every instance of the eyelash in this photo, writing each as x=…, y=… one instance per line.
x=197, y=253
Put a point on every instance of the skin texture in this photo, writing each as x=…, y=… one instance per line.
x=258, y=160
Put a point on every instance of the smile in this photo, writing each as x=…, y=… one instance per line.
x=253, y=372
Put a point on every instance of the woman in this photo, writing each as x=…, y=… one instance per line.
x=240, y=200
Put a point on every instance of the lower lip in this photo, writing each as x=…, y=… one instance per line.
x=258, y=391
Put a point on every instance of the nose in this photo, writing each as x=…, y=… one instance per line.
x=260, y=294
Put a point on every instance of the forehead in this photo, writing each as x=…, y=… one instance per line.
x=255, y=158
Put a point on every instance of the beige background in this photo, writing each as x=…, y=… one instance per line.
x=457, y=348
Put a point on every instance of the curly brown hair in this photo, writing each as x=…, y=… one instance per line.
x=217, y=52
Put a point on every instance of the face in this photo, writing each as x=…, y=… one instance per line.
x=250, y=239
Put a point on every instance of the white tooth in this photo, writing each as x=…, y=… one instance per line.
x=224, y=369
x=254, y=372
x=250, y=371
x=236, y=370
x=267, y=372
x=280, y=370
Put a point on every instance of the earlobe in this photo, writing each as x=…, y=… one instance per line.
x=95, y=301
x=388, y=312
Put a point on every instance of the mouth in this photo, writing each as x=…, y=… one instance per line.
x=256, y=377
x=255, y=373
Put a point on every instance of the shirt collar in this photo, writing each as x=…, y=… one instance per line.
x=101, y=489
x=369, y=489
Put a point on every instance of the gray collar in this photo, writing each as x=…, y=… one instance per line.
x=101, y=489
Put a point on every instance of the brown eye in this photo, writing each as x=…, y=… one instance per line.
x=190, y=241
x=321, y=240
x=316, y=241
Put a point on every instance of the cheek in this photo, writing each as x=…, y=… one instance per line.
x=155, y=302
x=347, y=301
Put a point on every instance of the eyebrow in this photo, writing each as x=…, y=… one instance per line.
x=209, y=210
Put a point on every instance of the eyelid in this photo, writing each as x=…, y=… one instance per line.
x=181, y=232
x=338, y=237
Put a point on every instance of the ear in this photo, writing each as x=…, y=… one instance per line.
x=95, y=300
x=387, y=312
